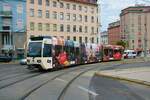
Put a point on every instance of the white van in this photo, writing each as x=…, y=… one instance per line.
x=130, y=54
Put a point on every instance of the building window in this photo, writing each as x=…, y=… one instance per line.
x=74, y=28
x=31, y=12
x=80, y=28
x=32, y=26
x=47, y=2
x=74, y=7
x=139, y=41
x=67, y=6
x=92, y=19
x=132, y=41
x=39, y=2
x=68, y=28
x=47, y=27
x=32, y=1
x=68, y=37
x=54, y=27
x=74, y=38
x=61, y=16
x=68, y=16
x=92, y=30
x=54, y=15
x=61, y=5
x=85, y=9
x=74, y=17
x=92, y=40
x=80, y=8
x=54, y=4
x=86, y=18
x=80, y=17
x=39, y=13
x=40, y=26
x=61, y=27
x=86, y=29
x=86, y=39
x=80, y=39
x=92, y=10
x=47, y=14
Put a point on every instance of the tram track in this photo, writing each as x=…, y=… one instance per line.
x=80, y=72
x=48, y=78
x=63, y=92
x=11, y=71
x=61, y=96
x=17, y=81
x=14, y=86
x=55, y=77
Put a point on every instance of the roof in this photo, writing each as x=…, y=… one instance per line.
x=93, y=2
x=135, y=9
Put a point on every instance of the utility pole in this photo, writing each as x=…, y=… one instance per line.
x=145, y=37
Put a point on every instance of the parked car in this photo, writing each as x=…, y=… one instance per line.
x=23, y=61
x=4, y=58
x=129, y=54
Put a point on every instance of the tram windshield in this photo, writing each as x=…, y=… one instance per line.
x=34, y=49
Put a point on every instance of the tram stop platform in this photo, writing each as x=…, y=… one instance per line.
x=136, y=75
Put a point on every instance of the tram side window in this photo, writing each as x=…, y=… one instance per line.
x=47, y=51
x=72, y=53
x=110, y=52
x=66, y=48
x=77, y=51
x=106, y=52
x=58, y=50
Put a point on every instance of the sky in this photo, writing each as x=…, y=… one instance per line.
x=111, y=9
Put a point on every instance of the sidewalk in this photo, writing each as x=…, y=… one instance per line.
x=136, y=75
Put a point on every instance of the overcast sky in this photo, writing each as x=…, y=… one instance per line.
x=110, y=10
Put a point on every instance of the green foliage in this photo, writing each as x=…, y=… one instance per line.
x=122, y=43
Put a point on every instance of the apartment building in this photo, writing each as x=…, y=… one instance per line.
x=114, y=33
x=104, y=37
x=69, y=19
x=135, y=26
x=12, y=26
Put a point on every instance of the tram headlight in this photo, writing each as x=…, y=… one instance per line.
x=48, y=61
x=39, y=61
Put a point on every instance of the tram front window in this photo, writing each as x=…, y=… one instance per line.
x=34, y=49
x=47, y=51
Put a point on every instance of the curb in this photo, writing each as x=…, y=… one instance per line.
x=124, y=79
x=7, y=63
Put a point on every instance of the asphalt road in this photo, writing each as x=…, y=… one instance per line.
x=76, y=83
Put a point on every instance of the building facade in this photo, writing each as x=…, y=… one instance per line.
x=135, y=26
x=114, y=33
x=104, y=37
x=70, y=19
x=12, y=26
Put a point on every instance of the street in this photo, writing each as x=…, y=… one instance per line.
x=75, y=83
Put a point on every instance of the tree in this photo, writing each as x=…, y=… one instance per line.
x=122, y=43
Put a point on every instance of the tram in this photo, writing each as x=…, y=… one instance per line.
x=45, y=52
x=112, y=52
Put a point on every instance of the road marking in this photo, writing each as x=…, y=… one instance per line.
x=87, y=90
x=58, y=79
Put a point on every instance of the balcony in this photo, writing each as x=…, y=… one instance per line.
x=6, y=14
